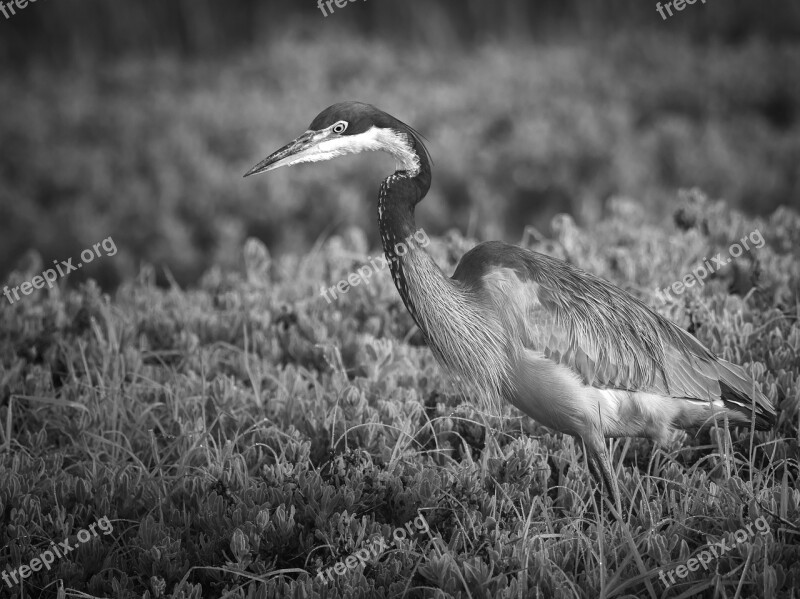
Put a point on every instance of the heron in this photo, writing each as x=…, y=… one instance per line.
x=571, y=350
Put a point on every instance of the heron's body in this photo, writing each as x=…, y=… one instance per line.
x=570, y=350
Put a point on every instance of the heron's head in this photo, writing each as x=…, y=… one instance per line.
x=350, y=128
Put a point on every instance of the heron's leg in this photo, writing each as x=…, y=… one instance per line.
x=491, y=445
x=599, y=463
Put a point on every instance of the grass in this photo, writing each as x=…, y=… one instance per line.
x=244, y=434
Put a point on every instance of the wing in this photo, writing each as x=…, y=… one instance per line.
x=605, y=335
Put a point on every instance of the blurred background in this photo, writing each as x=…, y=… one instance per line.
x=137, y=120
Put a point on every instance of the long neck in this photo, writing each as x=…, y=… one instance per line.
x=456, y=325
x=402, y=239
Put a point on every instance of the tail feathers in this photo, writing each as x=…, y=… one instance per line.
x=742, y=394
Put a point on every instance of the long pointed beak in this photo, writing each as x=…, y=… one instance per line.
x=284, y=156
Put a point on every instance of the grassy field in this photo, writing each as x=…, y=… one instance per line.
x=195, y=420
x=244, y=436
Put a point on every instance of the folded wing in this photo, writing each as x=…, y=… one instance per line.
x=604, y=334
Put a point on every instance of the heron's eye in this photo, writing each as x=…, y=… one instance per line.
x=339, y=127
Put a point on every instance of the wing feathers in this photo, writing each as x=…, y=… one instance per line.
x=605, y=335
x=741, y=393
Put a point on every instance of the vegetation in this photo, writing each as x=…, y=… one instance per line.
x=241, y=434
x=246, y=435
x=151, y=151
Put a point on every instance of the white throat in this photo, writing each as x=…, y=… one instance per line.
x=395, y=143
x=374, y=139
